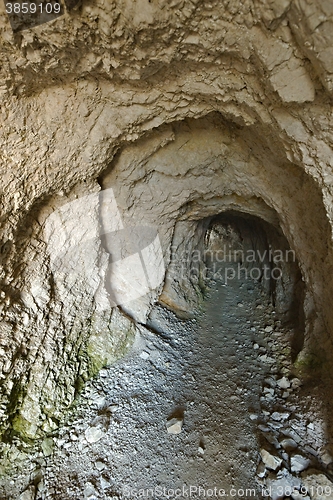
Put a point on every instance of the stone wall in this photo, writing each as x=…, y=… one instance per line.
x=184, y=109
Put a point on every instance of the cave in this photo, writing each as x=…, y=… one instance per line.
x=166, y=250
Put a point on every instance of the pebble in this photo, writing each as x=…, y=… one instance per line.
x=99, y=465
x=272, y=462
x=47, y=446
x=268, y=329
x=280, y=416
x=93, y=434
x=28, y=494
x=283, y=383
x=299, y=463
x=104, y=484
x=288, y=444
x=174, y=426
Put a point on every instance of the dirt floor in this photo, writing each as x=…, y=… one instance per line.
x=247, y=427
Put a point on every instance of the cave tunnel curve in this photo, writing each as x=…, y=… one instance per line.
x=236, y=245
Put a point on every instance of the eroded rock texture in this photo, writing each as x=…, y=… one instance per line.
x=185, y=109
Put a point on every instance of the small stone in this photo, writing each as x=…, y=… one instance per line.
x=299, y=463
x=144, y=355
x=28, y=494
x=201, y=451
x=174, y=426
x=240, y=304
x=113, y=408
x=259, y=306
x=47, y=446
x=89, y=492
x=255, y=346
x=93, y=434
x=253, y=416
x=268, y=329
x=283, y=482
x=104, y=484
x=280, y=417
x=99, y=465
x=261, y=470
x=272, y=462
x=288, y=444
x=283, y=383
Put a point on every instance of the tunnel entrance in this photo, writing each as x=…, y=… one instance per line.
x=242, y=249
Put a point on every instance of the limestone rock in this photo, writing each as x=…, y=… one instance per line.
x=283, y=383
x=174, y=426
x=93, y=434
x=272, y=462
x=28, y=494
x=299, y=463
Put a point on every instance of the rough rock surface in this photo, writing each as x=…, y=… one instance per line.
x=185, y=109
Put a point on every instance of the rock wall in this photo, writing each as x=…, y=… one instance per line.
x=185, y=109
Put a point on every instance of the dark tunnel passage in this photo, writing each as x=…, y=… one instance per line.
x=245, y=248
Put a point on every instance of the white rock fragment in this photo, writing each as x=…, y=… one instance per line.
x=104, y=484
x=272, y=462
x=288, y=444
x=28, y=494
x=255, y=346
x=283, y=383
x=280, y=416
x=144, y=355
x=201, y=451
x=299, y=463
x=99, y=465
x=174, y=426
x=93, y=434
x=268, y=329
x=284, y=482
x=89, y=492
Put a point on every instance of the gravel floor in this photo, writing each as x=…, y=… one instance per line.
x=225, y=376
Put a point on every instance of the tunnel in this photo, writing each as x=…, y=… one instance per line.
x=166, y=250
x=191, y=321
